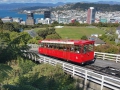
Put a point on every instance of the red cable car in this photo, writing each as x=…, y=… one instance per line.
x=78, y=51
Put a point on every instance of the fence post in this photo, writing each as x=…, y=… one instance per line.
x=63, y=66
x=102, y=82
x=73, y=70
x=116, y=59
x=86, y=72
x=103, y=56
x=44, y=60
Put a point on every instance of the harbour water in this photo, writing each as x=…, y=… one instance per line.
x=15, y=14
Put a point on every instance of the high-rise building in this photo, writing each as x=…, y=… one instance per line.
x=47, y=14
x=91, y=15
x=30, y=19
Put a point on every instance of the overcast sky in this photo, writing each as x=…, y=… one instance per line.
x=48, y=1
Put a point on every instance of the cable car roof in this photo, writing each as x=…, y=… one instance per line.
x=76, y=42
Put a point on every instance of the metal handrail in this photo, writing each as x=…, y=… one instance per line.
x=108, y=56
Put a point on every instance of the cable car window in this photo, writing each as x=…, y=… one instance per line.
x=91, y=47
x=57, y=46
x=64, y=47
x=68, y=47
x=77, y=49
x=50, y=45
x=72, y=48
x=85, y=49
x=41, y=45
x=44, y=44
x=61, y=46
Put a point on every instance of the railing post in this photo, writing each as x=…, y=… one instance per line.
x=103, y=56
x=49, y=61
x=73, y=70
x=35, y=58
x=63, y=66
x=116, y=59
x=102, y=82
x=44, y=60
x=86, y=72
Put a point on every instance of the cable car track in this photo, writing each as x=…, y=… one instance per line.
x=108, y=70
x=105, y=70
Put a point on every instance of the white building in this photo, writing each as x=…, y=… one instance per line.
x=44, y=21
x=18, y=20
x=22, y=22
x=7, y=19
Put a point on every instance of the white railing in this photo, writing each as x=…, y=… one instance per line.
x=100, y=55
x=108, y=56
x=102, y=80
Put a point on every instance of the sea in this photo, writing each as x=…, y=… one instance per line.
x=16, y=14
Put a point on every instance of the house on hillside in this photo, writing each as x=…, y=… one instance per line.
x=97, y=40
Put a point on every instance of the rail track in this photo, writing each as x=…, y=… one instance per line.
x=105, y=70
x=108, y=70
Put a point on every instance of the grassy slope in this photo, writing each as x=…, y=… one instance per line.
x=73, y=32
x=77, y=32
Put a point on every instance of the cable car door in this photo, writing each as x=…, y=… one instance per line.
x=86, y=55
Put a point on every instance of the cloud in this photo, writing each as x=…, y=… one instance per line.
x=30, y=1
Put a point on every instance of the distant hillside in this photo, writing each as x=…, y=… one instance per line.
x=26, y=5
x=98, y=7
x=108, y=2
x=85, y=6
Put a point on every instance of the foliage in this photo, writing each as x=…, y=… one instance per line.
x=84, y=37
x=108, y=48
x=109, y=38
x=8, y=26
x=4, y=71
x=25, y=65
x=41, y=77
x=55, y=23
x=53, y=36
x=1, y=24
x=48, y=33
x=11, y=45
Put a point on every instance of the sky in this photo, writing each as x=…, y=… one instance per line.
x=48, y=1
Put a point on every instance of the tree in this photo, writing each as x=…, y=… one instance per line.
x=84, y=37
x=1, y=24
x=42, y=33
x=53, y=36
x=8, y=26
x=16, y=26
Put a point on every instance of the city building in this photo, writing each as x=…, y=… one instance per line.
x=91, y=15
x=63, y=20
x=22, y=22
x=7, y=19
x=47, y=14
x=30, y=18
x=44, y=21
x=18, y=20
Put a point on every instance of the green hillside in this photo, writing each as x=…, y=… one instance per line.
x=77, y=32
